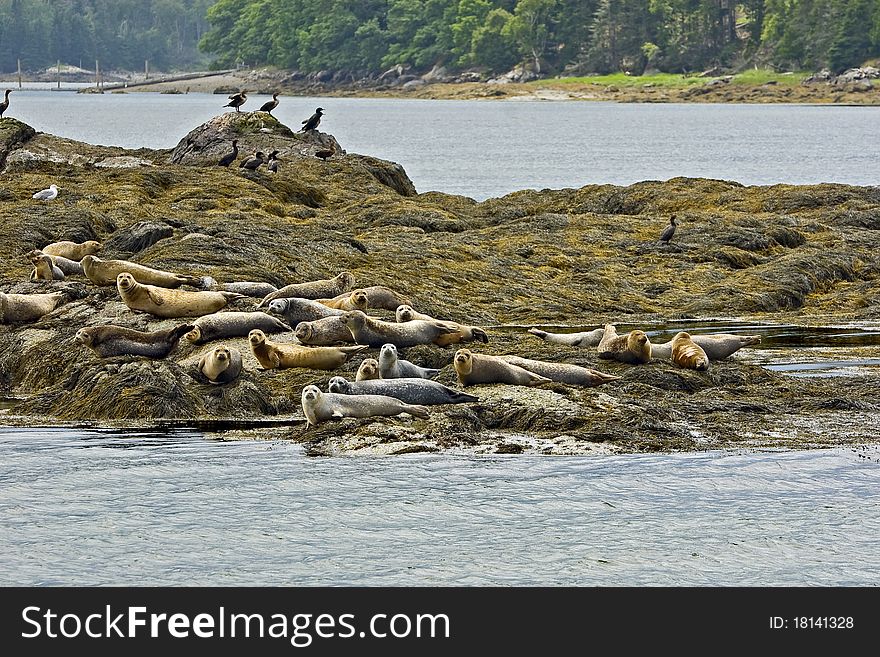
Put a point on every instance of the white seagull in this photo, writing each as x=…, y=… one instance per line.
x=46, y=194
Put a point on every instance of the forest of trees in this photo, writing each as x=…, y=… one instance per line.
x=369, y=36
x=121, y=34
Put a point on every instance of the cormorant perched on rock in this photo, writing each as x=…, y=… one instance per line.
x=312, y=122
x=669, y=231
x=229, y=158
x=237, y=100
x=272, y=164
x=326, y=152
x=46, y=194
x=5, y=104
x=268, y=106
x=253, y=162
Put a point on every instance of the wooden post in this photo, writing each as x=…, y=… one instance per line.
x=146, y=69
x=97, y=76
x=19, y=74
x=59, y=73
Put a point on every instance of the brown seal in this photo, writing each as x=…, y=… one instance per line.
x=105, y=272
x=323, y=332
x=355, y=300
x=634, y=348
x=72, y=250
x=381, y=297
x=45, y=269
x=562, y=372
x=20, y=308
x=687, y=353
x=368, y=370
x=717, y=346
x=221, y=365
x=319, y=406
x=376, y=332
x=163, y=302
x=323, y=289
x=279, y=355
x=480, y=368
x=68, y=267
x=581, y=339
x=233, y=324
x=405, y=313
x=110, y=340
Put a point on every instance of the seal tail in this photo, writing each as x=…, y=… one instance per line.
x=751, y=339
x=480, y=334
x=536, y=331
x=430, y=372
x=598, y=378
x=180, y=331
x=463, y=398
x=419, y=411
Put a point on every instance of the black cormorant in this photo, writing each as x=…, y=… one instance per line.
x=5, y=104
x=237, y=100
x=312, y=122
x=272, y=164
x=669, y=231
x=253, y=162
x=229, y=158
x=268, y=106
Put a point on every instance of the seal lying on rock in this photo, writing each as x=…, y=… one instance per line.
x=562, y=372
x=72, y=250
x=279, y=355
x=405, y=313
x=375, y=332
x=393, y=367
x=20, y=308
x=68, y=267
x=323, y=289
x=247, y=288
x=687, y=353
x=295, y=310
x=319, y=406
x=323, y=332
x=105, y=272
x=717, y=346
x=356, y=300
x=634, y=348
x=110, y=340
x=163, y=302
x=583, y=339
x=45, y=269
x=410, y=391
x=480, y=368
x=381, y=297
x=232, y=325
x=221, y=365
x=368, y=370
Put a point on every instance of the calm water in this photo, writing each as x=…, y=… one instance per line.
x=489, y=148
x=92, y=507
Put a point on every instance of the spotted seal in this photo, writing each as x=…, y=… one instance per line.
x=164, y=302
x=408, y=390
x=221, y=365
x=391, y=366
x=464, y=333
x=105, y=272
x=474, y=368
x=295, y=310
x=22, y=308
x=687, y=353
x=562, y=372
x=72, y=250
x=233, y=324
x=634, y=348
x=110, y=340
x=319, y=406
x=248, y=288
x=323, y=289
x=376, y=332
x=717, y=345
x=323, y=332
x=272, y=355
x=45, y=269
x=582, y=339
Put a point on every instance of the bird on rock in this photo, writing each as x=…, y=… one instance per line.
x=312, y=122
x=46, y=194
x=325, y=153
x=5, y=104
x=229, y=158
x=669, y=231
x=273, y=161
x=254, y=162
x=269, y=105
x=237, y=100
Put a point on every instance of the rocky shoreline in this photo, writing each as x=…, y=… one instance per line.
x=806, y=255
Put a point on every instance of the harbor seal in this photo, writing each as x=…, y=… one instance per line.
x=72, y=250
x=233, y=324
x=368, y=370
x=45, y=269
x=376, y=332
x=474, y=368
x=248, y=288
x=409, y=391
x=634, y=348
x=393, y=367
x=221, y=365
x=355, y=300
x=582, y=339
x=562, y=372
x=717, y=345
x=105, y=272
x=110, y=340
x=382, y=298
x=21, y=308
x=163, y=302
x=323, y=289
x=323, y=332
x=272, y=355
x=687, y=353
x=319, y=406
x=295, y=310
x=68, y=267
x=464, y=333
